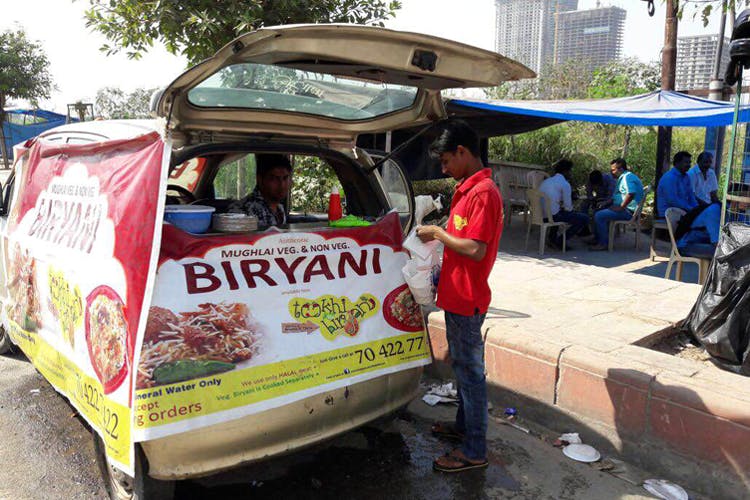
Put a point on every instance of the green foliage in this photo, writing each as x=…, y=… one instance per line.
x=592, y=146
x=705, y=8
x=114, y=104
x=24, y=73
x=198, y=28
x=625, y=77
x=313, y=181
x=236, y=179
x=571, y=80
x=24, y=69
x=568, y=80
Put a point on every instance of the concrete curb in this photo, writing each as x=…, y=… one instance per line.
x=673, y=416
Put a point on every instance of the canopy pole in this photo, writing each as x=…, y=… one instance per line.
x=728, y=172
x=668, y=64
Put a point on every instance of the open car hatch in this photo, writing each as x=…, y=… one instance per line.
x=327, y=81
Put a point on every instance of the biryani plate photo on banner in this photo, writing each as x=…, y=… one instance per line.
x=243, y=323
x=78, y=257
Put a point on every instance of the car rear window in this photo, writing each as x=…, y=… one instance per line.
x=274, y=88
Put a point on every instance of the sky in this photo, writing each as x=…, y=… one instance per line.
x=79, y=69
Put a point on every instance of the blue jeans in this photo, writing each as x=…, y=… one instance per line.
x=466, y=347
x=602, y=218
x=577, y=220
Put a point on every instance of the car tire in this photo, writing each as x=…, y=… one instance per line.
x=5, y=344
x=120, y=486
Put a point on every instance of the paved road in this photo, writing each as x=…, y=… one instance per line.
x=47, y=453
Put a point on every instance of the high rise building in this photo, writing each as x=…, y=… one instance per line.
x=525, y=29
x=593, y=37
x=696, y=57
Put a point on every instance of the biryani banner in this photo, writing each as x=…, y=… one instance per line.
x=80, y=253
x=239, y=325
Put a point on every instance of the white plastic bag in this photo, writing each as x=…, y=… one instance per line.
x=420, y=282
x=425, y=260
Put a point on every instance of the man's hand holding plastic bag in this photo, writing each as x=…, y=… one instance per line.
x=425, y=257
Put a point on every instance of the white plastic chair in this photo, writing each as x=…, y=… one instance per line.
x=508, y=201
x=634, y=223
x=536, y=198
x=535, y=178
x=673, y=216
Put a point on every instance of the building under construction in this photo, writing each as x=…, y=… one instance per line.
x=696, y=56
x=592, y=37
x=525, y=29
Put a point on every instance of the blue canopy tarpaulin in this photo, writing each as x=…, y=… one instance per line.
x=23, y=124
x=658, y=108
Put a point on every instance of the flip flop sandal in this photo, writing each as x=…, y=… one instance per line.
x=445, y=430
x=465, y=464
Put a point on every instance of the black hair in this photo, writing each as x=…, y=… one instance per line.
x=595, y=177
x=703, y=155
x=620, y=162
x=562, y=166
x=265, y=162
x=680, y=155
x=455, y=133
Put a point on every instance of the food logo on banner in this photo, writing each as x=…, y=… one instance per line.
x=66, y=304
x=69, y=211
x=334, y=315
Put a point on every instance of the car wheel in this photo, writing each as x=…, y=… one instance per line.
x=120, y=486
x=5, y=344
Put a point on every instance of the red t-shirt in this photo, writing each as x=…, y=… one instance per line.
x=476, y=213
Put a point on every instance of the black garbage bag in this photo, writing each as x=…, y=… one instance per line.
x=720, y=318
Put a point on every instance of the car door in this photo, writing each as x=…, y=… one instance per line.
x=330, y=82
x=327, y=83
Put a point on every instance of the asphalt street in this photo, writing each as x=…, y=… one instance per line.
x=47, y=453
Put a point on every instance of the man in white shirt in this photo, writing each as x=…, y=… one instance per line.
x=703, y=179
x=558, y=191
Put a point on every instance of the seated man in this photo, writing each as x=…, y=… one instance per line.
x=599, y=190
x=558, y=191
x=703, y=179
x=628, y=194
x=273, y=180
x=676, y=190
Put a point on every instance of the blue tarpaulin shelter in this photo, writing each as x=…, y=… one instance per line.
x=22, y=124
x=498, y=117
x=658, y=108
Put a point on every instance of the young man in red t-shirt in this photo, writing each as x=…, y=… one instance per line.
x=471, y=239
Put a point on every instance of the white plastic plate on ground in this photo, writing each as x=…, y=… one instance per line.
x=582, y=452
x=665, y=489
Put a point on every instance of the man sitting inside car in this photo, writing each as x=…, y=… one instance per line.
x=273, y=180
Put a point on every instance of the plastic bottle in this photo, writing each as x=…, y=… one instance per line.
x=334, y=205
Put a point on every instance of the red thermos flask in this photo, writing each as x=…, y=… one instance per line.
x=334, y=205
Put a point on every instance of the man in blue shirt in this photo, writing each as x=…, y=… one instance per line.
x=628, y=194
x=675, y=189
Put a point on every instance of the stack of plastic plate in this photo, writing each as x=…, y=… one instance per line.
x=235, y=223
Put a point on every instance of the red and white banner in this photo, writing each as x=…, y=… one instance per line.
x=79, y=261
x=244, y=323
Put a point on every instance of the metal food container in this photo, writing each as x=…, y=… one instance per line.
x=235, y=223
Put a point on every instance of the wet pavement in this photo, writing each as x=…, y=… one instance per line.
x=394, y=460
x=47, y=452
